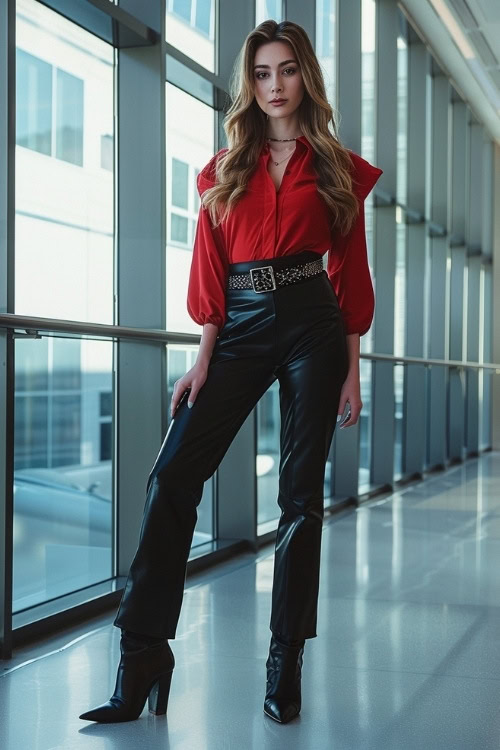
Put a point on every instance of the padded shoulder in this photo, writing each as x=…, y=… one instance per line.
x=206, y=178
x=365, y=175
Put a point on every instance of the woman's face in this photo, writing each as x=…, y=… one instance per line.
x=277, y=76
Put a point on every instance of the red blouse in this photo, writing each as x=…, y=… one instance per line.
x=266, y=223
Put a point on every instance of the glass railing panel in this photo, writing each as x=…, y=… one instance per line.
x=63, y=467
x=365, y=421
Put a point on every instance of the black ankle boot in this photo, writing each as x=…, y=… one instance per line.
x=145, y=670
x=284, y=670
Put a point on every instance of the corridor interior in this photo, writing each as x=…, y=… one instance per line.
x=407, y=653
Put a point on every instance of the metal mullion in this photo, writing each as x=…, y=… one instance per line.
x=7, y=249
x=456, y=393
x=474, y=241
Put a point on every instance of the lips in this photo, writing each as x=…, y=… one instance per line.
x=278, y=101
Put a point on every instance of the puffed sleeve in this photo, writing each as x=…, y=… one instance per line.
x=347, y=265
x=206, y=297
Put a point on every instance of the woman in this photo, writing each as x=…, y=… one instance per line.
x=283, y=194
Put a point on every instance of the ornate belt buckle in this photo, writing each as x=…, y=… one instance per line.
x=264, y=282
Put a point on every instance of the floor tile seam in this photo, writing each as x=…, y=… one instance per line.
x=423, y=481
x=417, y=602
x=65, y=646
x=365, y=670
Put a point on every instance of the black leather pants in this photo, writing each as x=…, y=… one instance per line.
x=295, y=334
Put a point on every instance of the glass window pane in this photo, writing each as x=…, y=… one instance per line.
x=402, y=118
x=399, y=376
x=180, y=359
x=33, y=102
x=365, y=418
x=190, y=145
x=368, y=10
x=64, y=199
x=62, y=468
x=326, y=24
x=267, y=465
x=190, y=26
x=266, y=9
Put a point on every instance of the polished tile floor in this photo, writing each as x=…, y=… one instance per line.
x=407, y=655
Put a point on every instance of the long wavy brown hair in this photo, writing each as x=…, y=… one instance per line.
x=245, y=127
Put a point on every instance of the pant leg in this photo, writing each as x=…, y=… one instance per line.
x=195, y=444
x=310, y=385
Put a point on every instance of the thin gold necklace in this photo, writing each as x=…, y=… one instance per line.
x=277, y=163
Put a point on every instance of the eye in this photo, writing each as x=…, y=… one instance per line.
x=261, y=73
x=292, y=70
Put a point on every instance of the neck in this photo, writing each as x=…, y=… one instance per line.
x=284, y=127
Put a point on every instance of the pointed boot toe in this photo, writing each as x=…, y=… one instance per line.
x=283, y=689
x=144, y=673
x=279, y=712
x=112, y=710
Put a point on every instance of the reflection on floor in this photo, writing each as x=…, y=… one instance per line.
x=407, y=654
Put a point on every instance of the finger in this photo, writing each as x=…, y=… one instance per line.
x=340, y=411
x=346, y=422
x=192, y=393
x=176, y=398
x=351, y=418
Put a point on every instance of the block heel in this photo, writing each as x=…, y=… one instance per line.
x=158, y=696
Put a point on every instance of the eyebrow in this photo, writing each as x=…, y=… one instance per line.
x=285, y=62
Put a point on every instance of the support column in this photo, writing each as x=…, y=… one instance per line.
x=141, y=275
x=474, y=297
x=439, y=287
x=417, y=262
x=495, y=415
x=383, y=427
x=458, y=288
x=345, y=445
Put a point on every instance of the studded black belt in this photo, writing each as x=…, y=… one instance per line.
x=267, y=278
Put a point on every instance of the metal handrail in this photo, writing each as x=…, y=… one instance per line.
x=33, y=325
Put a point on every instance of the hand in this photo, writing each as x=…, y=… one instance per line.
x=350, y=393
x=192, y=381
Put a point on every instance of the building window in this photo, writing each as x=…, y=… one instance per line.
x=197, y=13
x=107, y=152
x=179, y=229
x=34, y=103
x=180, y=171
x=46, y=94
x=69, y=118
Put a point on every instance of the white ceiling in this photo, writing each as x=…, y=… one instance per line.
x=470, y=55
